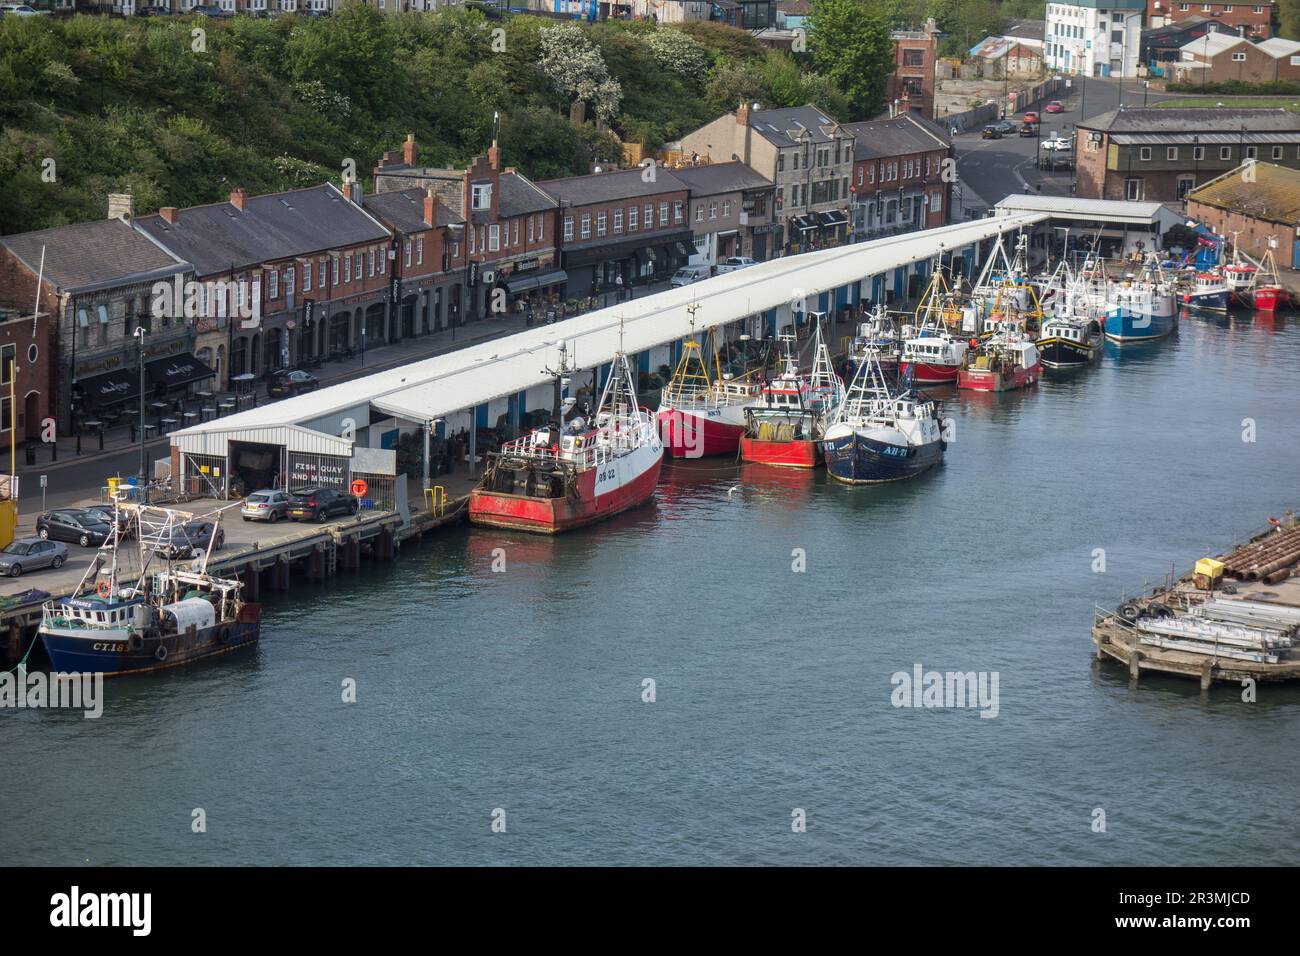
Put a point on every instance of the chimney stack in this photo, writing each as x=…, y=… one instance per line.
x=430, y=207
x=494, y=156
x=742, y=114
x=121, y=206
x=239, y=197
x=408, y=150
x=168, y=214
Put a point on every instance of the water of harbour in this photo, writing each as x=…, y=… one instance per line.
x=522, y=689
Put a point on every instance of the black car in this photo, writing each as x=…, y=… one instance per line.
x=73, y=524
x=992, y=131
x=285, y=382
x=192, y=538
x=210, y=10
x=126, y=520
x=321, y=503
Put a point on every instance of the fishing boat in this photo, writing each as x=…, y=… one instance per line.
x=702, y=412
x=875, y=436
x=1141, y=307
x=1206, y=291
x=1267, y=294
x=1068, y=342
x=931, y=353
x=879, y=334
x=1000, y=364
x=785, y=427
x=565, y=475
x=165, y=619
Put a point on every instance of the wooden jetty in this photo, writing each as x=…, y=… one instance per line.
x=1240, y=651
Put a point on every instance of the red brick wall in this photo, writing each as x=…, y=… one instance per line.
x=35, y=376
x=1258, y=25
x=1253, y=232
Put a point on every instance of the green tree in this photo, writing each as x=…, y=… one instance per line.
x=851, y=47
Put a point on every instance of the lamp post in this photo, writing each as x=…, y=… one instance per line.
x=139, y=334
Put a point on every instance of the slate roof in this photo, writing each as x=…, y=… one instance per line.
x=715, y=178
x=93, y=255
x=779, y=126
x=1274, y=195
x=403, y=210
x=273, y=226
x=878, y=138
x=1193, y=119
x=611, y=186
x=520, y=196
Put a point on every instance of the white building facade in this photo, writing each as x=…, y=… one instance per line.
x=1094, y=37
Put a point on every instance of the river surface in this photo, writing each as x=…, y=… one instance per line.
x=519, y=693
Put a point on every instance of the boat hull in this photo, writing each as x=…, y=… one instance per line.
x=1060, y=353
x=1128, y=325
x=602, y=492
x=857, y=460
x=688, y=433
x=1207, y=301
x=1268, y=299
x=988, y=380
x=71, y=652
x=799, y=453
x=924, y=373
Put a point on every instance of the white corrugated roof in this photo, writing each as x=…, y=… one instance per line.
x=1279, y=46
x=1212, y=44
x=438, y=386
x=1106, y=210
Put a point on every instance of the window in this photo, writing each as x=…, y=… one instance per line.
x=1238, y=57
x=407, y=253
x=1225, y=152
x=632, y=214
x=371, y=271
x=795, y=160
x=663, y=215
x=586, y=225
x=780, y=162
x=913, y=58
x=726, y=208
x=568, y=228
x=494, y=238
x=1144, y=153
x=677, y=212
x=649, y=217
x=336, y=270
x=321, y=283
x=1185, y=185
x=361, y=261
x=1251, y=152
x=472, y=242
x=862, y=171
x=1277, y=152
x=618, y=220
x=288, y=281
x=531, y=231
x=1171, y=152
x=699, y=212
x=306, y=277
x=481, y=198
x=602, y=224
x=1198, y=153
x=516, y=231
x=347, y=273
x=1133, y=190
x=713, y=209
x=273, y=287
x=419, y=251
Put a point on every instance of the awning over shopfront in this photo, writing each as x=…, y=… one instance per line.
x=682, y=249
x=176, y=371
x=528, y=281
x=804, y=223
x=832, y=219
x=111, y=388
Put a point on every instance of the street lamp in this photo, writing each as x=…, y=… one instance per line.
x=139, y=334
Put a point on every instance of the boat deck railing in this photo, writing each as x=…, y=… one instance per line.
x=608, y=444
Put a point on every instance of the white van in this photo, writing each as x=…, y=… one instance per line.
x=688, y=274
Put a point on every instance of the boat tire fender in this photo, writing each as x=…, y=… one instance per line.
x=1129, y=612
x=135, y=642
x=161, y=652
x=224, y=635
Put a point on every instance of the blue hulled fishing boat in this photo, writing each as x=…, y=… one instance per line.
x=1141, y=308
x=875, y=436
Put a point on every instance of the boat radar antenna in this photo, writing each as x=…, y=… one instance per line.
x=559, y=376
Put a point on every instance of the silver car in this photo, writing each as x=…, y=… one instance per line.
x=266, y=505
x=31, y=554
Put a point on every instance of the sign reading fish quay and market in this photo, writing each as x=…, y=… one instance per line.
x=306, y=471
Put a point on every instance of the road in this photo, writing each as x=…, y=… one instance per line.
x=995, y=168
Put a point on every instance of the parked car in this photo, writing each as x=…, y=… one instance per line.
x=322, y=503
x=21, y=10
x=269, y=504
x=1057, y=142
x=1030, y=116
x=192, y=538
x=73, y=524
x=992, y=131
x=688, y=274
x=32, y=554
x=126, y=520
x=732, y=263
x=285, y=382
x=210, y=10
x=1055, y=106
x=1007, y=126
x=1028, y=129
x=154, y=11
